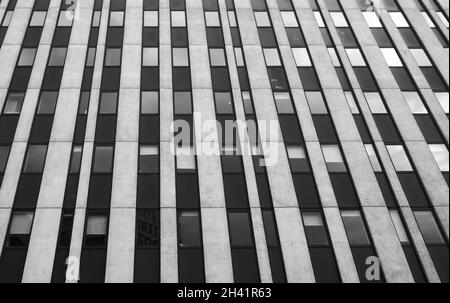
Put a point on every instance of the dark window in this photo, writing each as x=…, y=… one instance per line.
x=27, y=191
x=366, y=80
x=382, y=37
x=92, y=266
x=344, y=190
x=387, y=129
x=35, y=159
x=295, y=36
x=347, y=38
x=4, y=153
x=265, y=198
x=8, y=126
x=148, y=192
x=147, y=229
x=278, y=79
x=428, y=128
x=65, y=230
x=215, y=37
x=181, y=78
x=190, y=266
x=179, y=37
x=245, y=266
x=315, y=229
x=240, y=229
x=220, y=79
x=324, y=265
x=12, y=263
x=409, y=37
x=325, y=129
x=309, y=78
x=150, y=37
x=413, y=190
x=440, y=259
x=100, y=191
x=290, y=129
x=386, y=189
x=434, y=79
x=114, y=37
x=96, y=229
x=235, y=191
x=306, y=190
x=267, y=37
x=41, y=130
x=362, y=129
x=20, y=229
x=106, y=129
x=360, y=255
x=147, y=265
x=189, y=230
x=403, y=78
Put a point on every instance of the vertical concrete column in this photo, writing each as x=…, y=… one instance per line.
x=381, y=149
x=434, y=16
x=3, y=6
x=41, y=252
x=12, y=49
x=291, y=231
x=9, y=52
x=121, y=236
x=432, y=178
x=252, y=189
x=168, y=215
x=385, y=239
x=216, y=240
x=422, y=84
x=9, y=184
x=339, y=240
x=76, y=243
x=402, y=115
x=428, y=38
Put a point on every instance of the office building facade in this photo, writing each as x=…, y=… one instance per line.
x=172, y=141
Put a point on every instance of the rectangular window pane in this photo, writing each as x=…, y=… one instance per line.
x=27, y=57
x=151, y=18
x=315, y=228
x=150, y=56
x=108, y=103
x=97, y=224
x=76, y=159
x=355, y=228
x=4, y=152
x=57, y=56
x=180, y=57
x=148, y=159
x=240, y=229
x=189, y=232
x=21, y=223
x=185, y=158
x=183, y=103
x=14, y=103
x=150, y=103
x=428, y=227
x=47, y=103
x=35, y=159
x=103, y=159
x=283, y=103
x=333, y=158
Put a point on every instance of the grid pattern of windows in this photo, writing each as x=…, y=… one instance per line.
x=356, y=93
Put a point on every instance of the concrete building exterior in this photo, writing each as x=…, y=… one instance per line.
x=355, y=97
